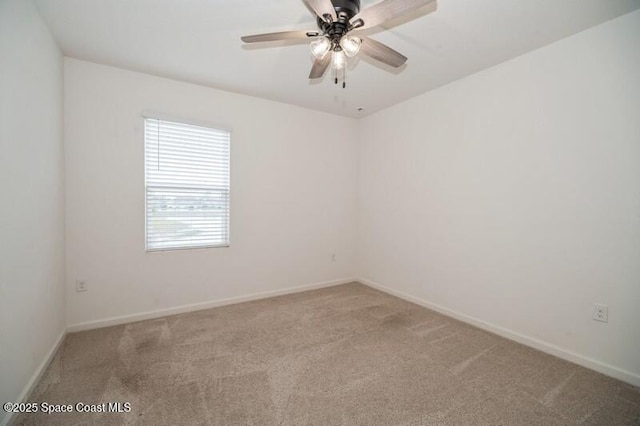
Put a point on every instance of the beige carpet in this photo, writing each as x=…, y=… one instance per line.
x=344, y=355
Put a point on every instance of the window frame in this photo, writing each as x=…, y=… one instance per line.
x=190, y=122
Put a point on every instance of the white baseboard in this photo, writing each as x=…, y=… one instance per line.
x=35, y=378
x=540, y=345
x=202, y=305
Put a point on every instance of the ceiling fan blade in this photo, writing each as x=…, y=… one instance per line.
x=322, y=7
x=320, y=66
x=388, y=10
x=382, y=52
x=284, y=35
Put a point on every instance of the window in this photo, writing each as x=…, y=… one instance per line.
x=186, y=185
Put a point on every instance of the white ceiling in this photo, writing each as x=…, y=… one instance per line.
x=199, y=41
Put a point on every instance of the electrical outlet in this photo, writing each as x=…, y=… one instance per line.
x=81, y=285
x=333, y=257
x=600, y=312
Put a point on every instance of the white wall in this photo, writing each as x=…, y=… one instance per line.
x=513, y=196
x=32, y=297
x=293, y=182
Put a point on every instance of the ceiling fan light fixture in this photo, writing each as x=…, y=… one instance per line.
x=350, y=45
x=339, y=59
x=320, y=47
x=335, y=20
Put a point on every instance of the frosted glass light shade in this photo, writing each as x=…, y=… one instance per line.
x=320, y=47
x=350, y=45
x=339, y=60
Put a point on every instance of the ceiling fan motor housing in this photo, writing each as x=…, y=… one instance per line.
x=348, y=7
x=345, y=10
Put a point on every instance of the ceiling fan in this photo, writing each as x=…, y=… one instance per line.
x=339, y=22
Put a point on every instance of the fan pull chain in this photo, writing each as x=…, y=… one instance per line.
x=344, y=76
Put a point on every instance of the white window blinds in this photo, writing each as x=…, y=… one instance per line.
x=187, y=185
